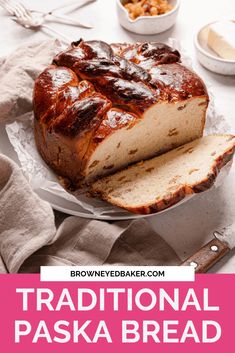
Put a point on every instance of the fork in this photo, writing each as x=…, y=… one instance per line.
x=70, y=4
x=27, y=20
x=30, y=22
x=18, y=9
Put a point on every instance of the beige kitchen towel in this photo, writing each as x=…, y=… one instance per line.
x=17, y=74
x=29, y=238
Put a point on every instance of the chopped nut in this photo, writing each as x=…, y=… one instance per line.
x=154, y=11
x=137, y=8
x=108, y=166
x=180, y=148
x=189, y=150
x=173, y=132
x=149, y=170
x=94, y=164
x=133, y=151
x=182, y=107
x=193, y=171
x=121, y=178
x=174, y=180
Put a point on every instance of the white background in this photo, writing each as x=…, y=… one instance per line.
x=189, y=226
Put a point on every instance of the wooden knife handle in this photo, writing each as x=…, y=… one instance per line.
x=207, y=256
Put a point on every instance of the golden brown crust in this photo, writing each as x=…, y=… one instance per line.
x=179, y=82
x=147, y=54
x=133, y=75
x=93, y=89
x=183, y=190
x=63, y=155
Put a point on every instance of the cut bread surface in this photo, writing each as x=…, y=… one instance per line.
x=162, y=127
x=158, y=183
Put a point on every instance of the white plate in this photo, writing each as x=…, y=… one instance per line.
x=60, y=204
x=69, y=207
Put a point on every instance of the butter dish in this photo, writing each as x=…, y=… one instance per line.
x=207, y=38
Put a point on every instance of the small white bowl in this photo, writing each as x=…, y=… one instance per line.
x=148, y=24
x=208, y=58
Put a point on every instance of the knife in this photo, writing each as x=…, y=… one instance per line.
x=212, y=252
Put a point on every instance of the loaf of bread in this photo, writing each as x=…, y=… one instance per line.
x=99, y=108
x=158, y=183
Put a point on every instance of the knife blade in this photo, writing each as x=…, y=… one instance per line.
x=213, y=251
x=227, y=235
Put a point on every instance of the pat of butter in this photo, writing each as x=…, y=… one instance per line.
x=221, y=39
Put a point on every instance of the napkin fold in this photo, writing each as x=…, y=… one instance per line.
x=29, y=235
x=17, y=75
x=29, y=238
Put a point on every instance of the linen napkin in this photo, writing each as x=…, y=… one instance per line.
x=31, y=234
x=29, y=238
x=17, y=74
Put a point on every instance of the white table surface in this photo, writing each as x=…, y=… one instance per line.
x=189, y=226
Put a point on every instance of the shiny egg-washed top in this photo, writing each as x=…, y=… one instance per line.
x=94, y=85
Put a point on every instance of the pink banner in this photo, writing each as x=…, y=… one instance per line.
x=45, y=317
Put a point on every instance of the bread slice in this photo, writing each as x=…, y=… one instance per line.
x=158, y=183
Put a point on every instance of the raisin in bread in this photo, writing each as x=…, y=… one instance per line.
x=99, y=108
x=158, y=183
